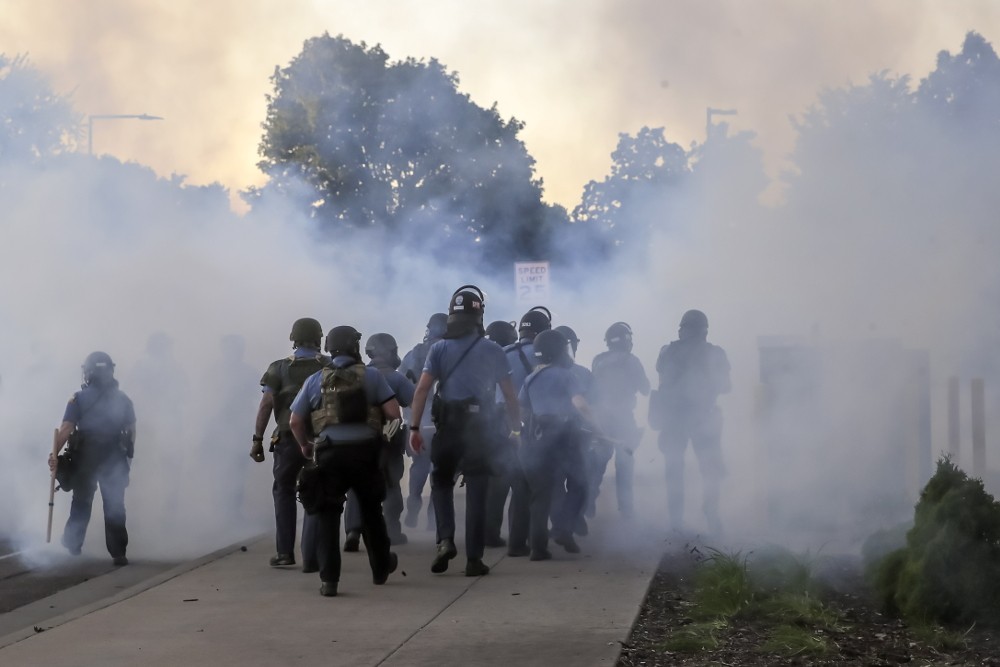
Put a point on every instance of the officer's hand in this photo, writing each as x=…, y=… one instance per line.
x=416, y=441
x=257, y=452
x=52, y=462
x=307, y=451
x=515, y=439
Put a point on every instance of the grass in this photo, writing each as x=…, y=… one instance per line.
x=794, y=640
x=775, y=590
x=940, y=638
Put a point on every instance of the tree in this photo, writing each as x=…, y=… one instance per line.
x=635, y=198
x=362, y=143
x=35, y=122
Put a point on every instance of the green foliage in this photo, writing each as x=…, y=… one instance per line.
x=694, y=637
x=794, y=640
x=940, y=638
x=723, y=586
x=949, y=570
x=35, y=122
x=360, y=142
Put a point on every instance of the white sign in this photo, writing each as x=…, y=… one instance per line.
x=531, y=280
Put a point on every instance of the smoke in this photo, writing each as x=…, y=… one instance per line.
x=156, y=272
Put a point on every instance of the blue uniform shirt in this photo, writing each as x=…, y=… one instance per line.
x=377, y=392
x=399, y=383
x=100, y=413
x=584, y=378
x=518, y=370
x=478, y=373
x=549, y=391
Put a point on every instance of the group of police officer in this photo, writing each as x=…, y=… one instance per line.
x=507, y=410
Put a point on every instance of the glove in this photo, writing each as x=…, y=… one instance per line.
x=257, y=452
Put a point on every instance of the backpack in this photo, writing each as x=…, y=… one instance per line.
x=344, y=400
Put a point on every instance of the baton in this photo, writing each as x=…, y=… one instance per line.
x=52, y=487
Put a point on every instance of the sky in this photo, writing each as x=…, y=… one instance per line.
x=577, y=73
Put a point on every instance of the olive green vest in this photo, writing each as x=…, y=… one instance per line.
x=293, y=373
x=344, y=400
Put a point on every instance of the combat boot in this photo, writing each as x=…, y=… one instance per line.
x=393, y=564
x=568, y=543
x=328, y=589
x=445, y=552
x=282, y=560
x=353, y=541
x=475, y=567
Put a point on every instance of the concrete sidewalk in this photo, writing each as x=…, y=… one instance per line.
x=230, y=608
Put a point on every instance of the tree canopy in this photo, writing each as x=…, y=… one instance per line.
x=34, y=120
x=364, y=143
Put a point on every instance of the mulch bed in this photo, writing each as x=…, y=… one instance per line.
x=865, y=636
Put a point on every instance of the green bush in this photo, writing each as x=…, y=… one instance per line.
x=949, y=570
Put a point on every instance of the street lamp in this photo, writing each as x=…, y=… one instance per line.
x=111, y=116
x=709, y=112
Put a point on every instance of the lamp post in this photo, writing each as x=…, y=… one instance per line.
x=110, y=116
x=709, y=112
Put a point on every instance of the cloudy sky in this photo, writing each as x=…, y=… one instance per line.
x=577, y=73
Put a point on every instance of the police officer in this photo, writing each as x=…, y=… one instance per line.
x=99, y=424
x=420, y=463
x=618, y=376
x=467, y=368
x=280, y=384
x=693, y=373
x=502, y=333
x=337, y=420
x=583, y=378
x=383, y=352
x=553, y=404
x=522, y=361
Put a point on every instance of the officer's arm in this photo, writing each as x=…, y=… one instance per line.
x=390, y=410
x=65, y=429
x=420, y=395
x=300, y=429
x=264, y=411
x=511, y=404
x=581, y=405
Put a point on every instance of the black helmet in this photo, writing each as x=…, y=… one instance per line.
x=465, y=311
x=551, y=347
x=436, y=326
x=98, y=368
x=382, y=346
x=344, y=340
x=694, y=324
x=306, y=330
x=534, y=322
x=619, y=337
x=571, y=336
x=502, y=333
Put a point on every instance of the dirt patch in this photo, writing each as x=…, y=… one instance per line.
x=860, y=636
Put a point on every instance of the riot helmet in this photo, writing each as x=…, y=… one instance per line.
x=534, y=322
x=619, y=337
x=694, y=324
x=571, y=336
x=98, y=369
x=382, y=347
x=436, y=326
x=344, y=340
x=551, y=347
x=502, y=333
x=306, y=332
x=465, y=312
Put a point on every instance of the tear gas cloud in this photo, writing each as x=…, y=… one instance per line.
x=104, y=255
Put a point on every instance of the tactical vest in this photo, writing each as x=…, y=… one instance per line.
x=343, y=400
x=294, y=372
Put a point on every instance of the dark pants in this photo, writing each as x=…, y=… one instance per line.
x=553, y=452
x=569, y=493
x=623, y=429
x=110, y=472
x=354, y=468
x=420, y=470
x=392, y=507
x=703, y=429
x=462, y=443
x=288, y=461
x=506, y=469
